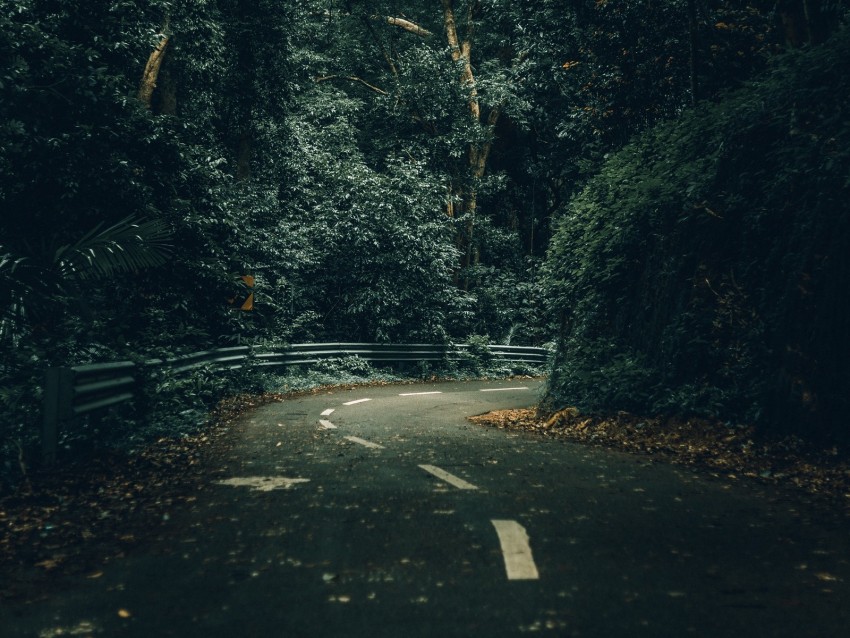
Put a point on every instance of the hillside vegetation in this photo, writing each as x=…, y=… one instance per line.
x=706, y=268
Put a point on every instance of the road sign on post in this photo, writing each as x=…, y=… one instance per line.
x=249, y=301
x=244, y=301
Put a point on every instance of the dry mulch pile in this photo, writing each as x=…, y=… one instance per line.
x=731, y=452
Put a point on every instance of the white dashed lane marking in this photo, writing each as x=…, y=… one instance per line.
x=328, y=412
x=418, y=394
x=326, y=425
x=451, y=479
x=519, y=563
x=363, y=442
x=502, y=389
x=356, y=401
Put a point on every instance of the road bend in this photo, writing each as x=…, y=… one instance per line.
x=384, y=512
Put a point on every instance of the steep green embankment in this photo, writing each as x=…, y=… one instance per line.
x=706, y=269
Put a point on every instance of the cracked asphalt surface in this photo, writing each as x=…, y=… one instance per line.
x=304, y=532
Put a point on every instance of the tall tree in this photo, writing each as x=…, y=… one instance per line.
x=426, y=73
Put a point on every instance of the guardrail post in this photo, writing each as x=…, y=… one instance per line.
x=58, y=395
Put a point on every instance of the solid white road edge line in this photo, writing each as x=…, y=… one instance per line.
x=502, y=389
x=519, y=563
x=328, y=412
x=356, y=401
x=451, y=479
x=327, y=425
x=417, y=394
x=363, y=442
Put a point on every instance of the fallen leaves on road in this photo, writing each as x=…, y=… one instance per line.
x=729, y=451
x=79, y=517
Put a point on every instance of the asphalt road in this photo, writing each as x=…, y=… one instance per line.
x=329, y=525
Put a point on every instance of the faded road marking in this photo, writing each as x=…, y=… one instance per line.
x=418, y=394
x=519, y=563
x=263, y=483
x=356, y=401
x=327, y=425
x=363, y=442
x=328, y=412
x=451, y=479
x=502, y=389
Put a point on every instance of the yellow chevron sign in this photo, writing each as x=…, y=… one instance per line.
x=248, y=303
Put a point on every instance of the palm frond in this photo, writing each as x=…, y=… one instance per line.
x=125, y=247
x=13, y=289
x=9, y=263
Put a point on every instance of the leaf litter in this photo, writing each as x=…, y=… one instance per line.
x=733, y=452
x=79, y=517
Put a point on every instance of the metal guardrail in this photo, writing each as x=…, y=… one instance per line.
x=226, y=358
x=71, y=392
x=78, y=390
x=308, y=353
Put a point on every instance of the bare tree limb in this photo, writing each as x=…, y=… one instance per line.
x=407, y=25
x=352, y=78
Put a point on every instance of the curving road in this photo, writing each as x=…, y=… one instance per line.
x=383, y=512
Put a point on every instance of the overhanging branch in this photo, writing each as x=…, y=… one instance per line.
x=352, y=78
x=407, y=25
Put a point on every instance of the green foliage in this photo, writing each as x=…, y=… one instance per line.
x=351, y=365
x=477, y=360
x=375, y=253
x=382, y=106
x=122, y=227
x=478, y=355
x=330, y=154
x=703, y=269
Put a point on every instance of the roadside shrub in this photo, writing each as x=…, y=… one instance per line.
x=352, y=365
x=704, y=269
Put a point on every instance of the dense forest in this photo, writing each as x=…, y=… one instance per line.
x=657, y=190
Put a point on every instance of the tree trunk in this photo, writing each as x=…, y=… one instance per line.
x=246, y=24
x=165, y=96
x=465, y=202
x=152, y=68
x=461, y=51
x=816, y=20
x=244, y=154
x=803, y=21
x=692, y=50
